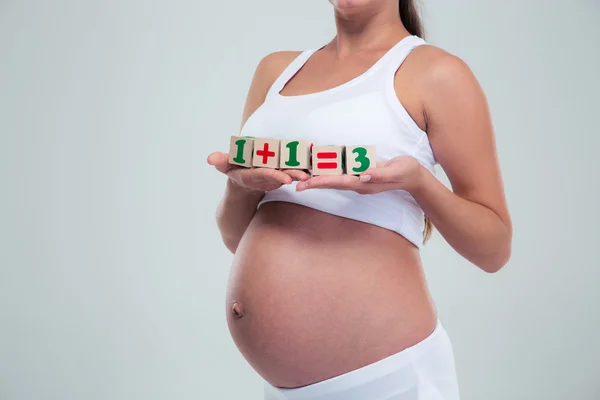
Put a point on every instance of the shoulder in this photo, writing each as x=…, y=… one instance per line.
x=267, y=71
x=440, y=71
x=428, y=78
x=433, y=57
x=272, y=65
x=442, y=84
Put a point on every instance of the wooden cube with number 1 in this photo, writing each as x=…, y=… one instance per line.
x=240, y=151
x=328, y=160
x=295, y=154
x=359, y=159
x=266, y=153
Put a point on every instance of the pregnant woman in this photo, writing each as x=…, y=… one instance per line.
x=327, y=297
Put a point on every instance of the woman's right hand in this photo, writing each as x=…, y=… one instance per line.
x=255, y=179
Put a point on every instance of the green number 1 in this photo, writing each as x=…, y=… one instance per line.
x=361, y=157
x=293, y=161
x=239, y=157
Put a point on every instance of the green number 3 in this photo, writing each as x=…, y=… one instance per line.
x=361, y=157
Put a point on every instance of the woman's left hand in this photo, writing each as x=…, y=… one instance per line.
x=402, y=172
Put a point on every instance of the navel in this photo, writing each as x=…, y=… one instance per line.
x=236, y=310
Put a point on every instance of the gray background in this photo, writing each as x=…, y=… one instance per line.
x=112, y=273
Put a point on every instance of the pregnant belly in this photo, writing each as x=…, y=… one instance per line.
x=312, y=295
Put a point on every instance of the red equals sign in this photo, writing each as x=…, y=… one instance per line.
x=327, y=155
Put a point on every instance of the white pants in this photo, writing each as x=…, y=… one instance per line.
x=424, y=371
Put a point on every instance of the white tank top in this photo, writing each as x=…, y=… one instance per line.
x=363, y=111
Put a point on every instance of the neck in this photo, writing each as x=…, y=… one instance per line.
x=367, y=29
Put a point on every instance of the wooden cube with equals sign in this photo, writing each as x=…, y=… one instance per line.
x=327, y=160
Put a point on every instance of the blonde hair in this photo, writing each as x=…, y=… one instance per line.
x=428, y=230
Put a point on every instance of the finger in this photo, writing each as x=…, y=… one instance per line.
x=369, y=188
x=268, y=174
x=217, y=158
x=367, y=175
x=278, y=175
x=221, y=162
x=381, y=164
x=346, y=182
x=378, y=175
x=297, y=174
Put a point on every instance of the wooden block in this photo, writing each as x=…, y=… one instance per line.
x=360, y=159
x=327, y=160
x=240, y=151
x=266, y=153
x=295, y=154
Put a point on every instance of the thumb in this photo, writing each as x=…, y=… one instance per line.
x=218, y=160
x=378, y=175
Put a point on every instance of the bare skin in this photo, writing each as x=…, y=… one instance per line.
x=312, y=295
x=323, y=295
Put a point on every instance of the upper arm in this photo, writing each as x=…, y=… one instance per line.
x=461, y=133
x=266, y=73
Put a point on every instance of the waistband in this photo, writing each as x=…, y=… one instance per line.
x=396, y=367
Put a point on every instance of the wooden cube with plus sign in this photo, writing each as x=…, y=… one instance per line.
x=295, y=154
x=240, y=151
x=266, y=153
x=359, y=159
x=328, y=160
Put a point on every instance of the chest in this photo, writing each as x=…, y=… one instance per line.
x=323, y=73
x=364, y=119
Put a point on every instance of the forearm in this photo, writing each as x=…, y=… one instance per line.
x=473, y=230
x=235, y=212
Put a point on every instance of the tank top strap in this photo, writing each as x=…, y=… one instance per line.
x=400, y=51
x=289, y=72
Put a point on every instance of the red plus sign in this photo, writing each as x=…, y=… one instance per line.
x=265, y=153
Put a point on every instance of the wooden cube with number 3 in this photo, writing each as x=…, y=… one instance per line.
x=266, y=153
x=359, y=159
x=241, y=150
x=295, y=154
x=327, y=160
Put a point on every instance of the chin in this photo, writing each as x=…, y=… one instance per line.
x=354, y=8
x=350, y=5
